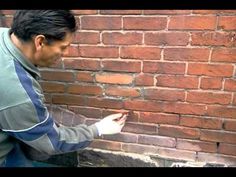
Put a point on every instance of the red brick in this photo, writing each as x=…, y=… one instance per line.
x=166, y=12
x=83, y=64
x=87, y=38
x=122, y=137
x=195, y=145
x=105, y=103
x=71, y=51
x=184, y=108
x=65, y=76
x=84, y=76
x=122, y=66
x=201, y=122
x=227, y=23
x=186, y=54
x=230, y=85
x=228, y=149
x=68, y=99
x=98, y=52
x=139, y=149
x=163, y=67
x=234, y=99
x=218, y=136
x=100, y=23
x=84, y=89
x=104, y=144
x=87, y=12
x=205, y=11
x=213, y=39
x=87, y=111
x=192, y=22
x=167, y=38
x=114, y=78
x=216, y=158
x=170, y=153
x=223, y=70
x=224, y=55
x=144, y=80
x=50, y=87
x=211, y=83
x=145, y=53
x=124, y=92
x=143, y=105
x=117, y=38
x=221, y=111
x=139, y=128
x=164, y=94
x=144, y=23
x=187, y=82
x=230, y=125
x=208, y=97
x=121, y=12
x=179, y=131
x=48, y=98
x=159, y=118
x=157, y=140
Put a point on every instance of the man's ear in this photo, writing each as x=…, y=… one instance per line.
x=39, y=42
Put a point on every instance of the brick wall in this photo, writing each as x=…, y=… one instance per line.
x=173, y=69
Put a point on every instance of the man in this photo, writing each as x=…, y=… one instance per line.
x=38, y=38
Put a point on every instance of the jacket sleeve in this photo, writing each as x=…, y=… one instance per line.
x=32, y=124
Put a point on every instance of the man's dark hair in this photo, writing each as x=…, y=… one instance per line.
x=53, y=24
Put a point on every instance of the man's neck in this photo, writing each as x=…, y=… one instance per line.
x=25, y=48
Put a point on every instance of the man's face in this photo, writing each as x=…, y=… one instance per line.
x=51, y=53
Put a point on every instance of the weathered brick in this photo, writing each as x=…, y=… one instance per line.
x=121, y=66
x=84, y=76
x=121, y=12
x=68, y=99
x=169, y=39
x=228, y=149
x=87, y=12
x=157, y=140
x=87, y=111
x=213, y=39
x=163, y=67
x=221, y=111
x=139, y=128
x=87, y=38
x=122, y=137
x=211, y=83
x=164, y=94
x=179, y=131
x=117, y=38
x=159, y=118
x=192, y=22
x=195, y=145
x=166, y=12
x=104, y=144
x=114, y=78
x=50, y=87
x=227, y=23
x=187, y=54
x=144, y=80
x=226, y=55
x=223, y=70
x=205, y=11
x=145, y=53
x=65, y=76
x=71, y=51
x=105, y=103
x=208, y=97
x=201, y=122
x=98, y=52
x=230, y=85
x=175, y=81
x=119, y=91
x=144, y=23
x=100, y=23
x=84, y=89
x=218, y=136
x=142, y=105
x=83, y=64
x=230, y=125
x=139, y=149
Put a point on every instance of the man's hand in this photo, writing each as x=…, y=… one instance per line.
x=111, y=124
